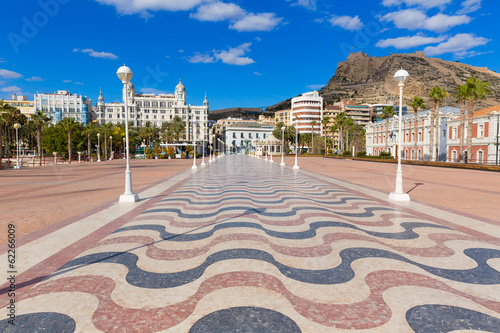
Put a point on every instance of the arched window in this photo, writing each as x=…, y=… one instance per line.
x=419, y=154
x=480, y=154
x=454, y=156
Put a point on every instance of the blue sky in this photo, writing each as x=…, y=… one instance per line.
x=241, y=53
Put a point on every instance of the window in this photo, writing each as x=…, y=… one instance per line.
x=480, y=133
x=264, y=135
x=242, y=136
x=480, y=156
x=234, y=135
x=256, y=135
x=454, y=156
x=455, y=133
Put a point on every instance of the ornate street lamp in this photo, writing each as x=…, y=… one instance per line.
x=398, y=194
x=282, y=146
x=203, y=147
x=125, y=75
x=98, y=147
x=18, y=164
x=296, y=166
x=110, y=147
x=194, y=167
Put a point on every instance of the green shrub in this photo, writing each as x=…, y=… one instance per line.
x=361, y=154
x=346, y=154
x=385, y=154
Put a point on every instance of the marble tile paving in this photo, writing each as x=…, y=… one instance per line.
x=244, y=245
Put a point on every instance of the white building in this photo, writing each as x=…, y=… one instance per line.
x=63, y=104
x=305, y=109
x=240, y=137
x=156, y=109
x=376, y=135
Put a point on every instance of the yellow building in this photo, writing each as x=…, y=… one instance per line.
x=21, y=102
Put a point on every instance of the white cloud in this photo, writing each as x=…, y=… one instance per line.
x=420, y=3
x=441, y=22
x=469, y=6
x=153, y=91
x=34, y=78
x=3, y=60
x=257, y=73
x=143, y=6
x=315, y=86
x=67, y=81
x=2, y=83
x=235, y=56
x=460, y=45
x=309, y=4
x=347, y=22
x=180, y=51
x=11, y=89
x=413, y=19
x=95, y=54
x=217, y=11
x=409, y=42
x=201, y=58
x=256, y=22
x=6, y=74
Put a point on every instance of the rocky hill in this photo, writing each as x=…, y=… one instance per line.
x=370, y=79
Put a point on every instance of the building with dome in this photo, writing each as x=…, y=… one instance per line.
x=156, y=109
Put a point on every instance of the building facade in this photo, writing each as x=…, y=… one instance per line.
x=376, y=139
x=361, y=114
x=64, y=104
x=305, y=109
x=156, y=109
x=240, y=137
x=283, y=116
x=485, y=131
x=21, y=102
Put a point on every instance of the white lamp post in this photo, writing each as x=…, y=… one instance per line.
x=282, y=146
x=98, y=147
x=398, y=194
x=123, y=148
x=79, y=156
x=194, y=167
x=110, y=147
x=203, y=147
x=296, y=166
x=271, y=144
x=125, y=75
x=16, y=126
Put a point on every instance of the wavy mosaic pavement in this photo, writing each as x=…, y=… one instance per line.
x=247, y=246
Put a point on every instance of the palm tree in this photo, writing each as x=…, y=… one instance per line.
x=178, y=128
x=40, y=119
x=325, y=121
x=314, y=122
x=476, y=90
x=333, y=130
x=388, y=112
x=69, y=124
x=461, y=95
x=416, y=104
x=107, y=127
x=437, y=94
x=89, y=130
x=348, y=124
x=339, y=123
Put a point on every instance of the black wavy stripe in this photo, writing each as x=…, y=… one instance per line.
x=434, y=318
x=39, y=322
x=313, y=227
x=245, y=319
x=482, y=274
x=368, y=212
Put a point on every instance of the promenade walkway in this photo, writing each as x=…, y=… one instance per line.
x=244, y=245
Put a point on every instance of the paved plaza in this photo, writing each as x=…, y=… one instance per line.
x=244, y=245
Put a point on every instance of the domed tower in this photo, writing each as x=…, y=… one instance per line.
x=205, y=102
x=131, y=93
x=180, y=93
x=100, y=107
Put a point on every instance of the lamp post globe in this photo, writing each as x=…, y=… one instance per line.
x=398, y=194
x=125, y=75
